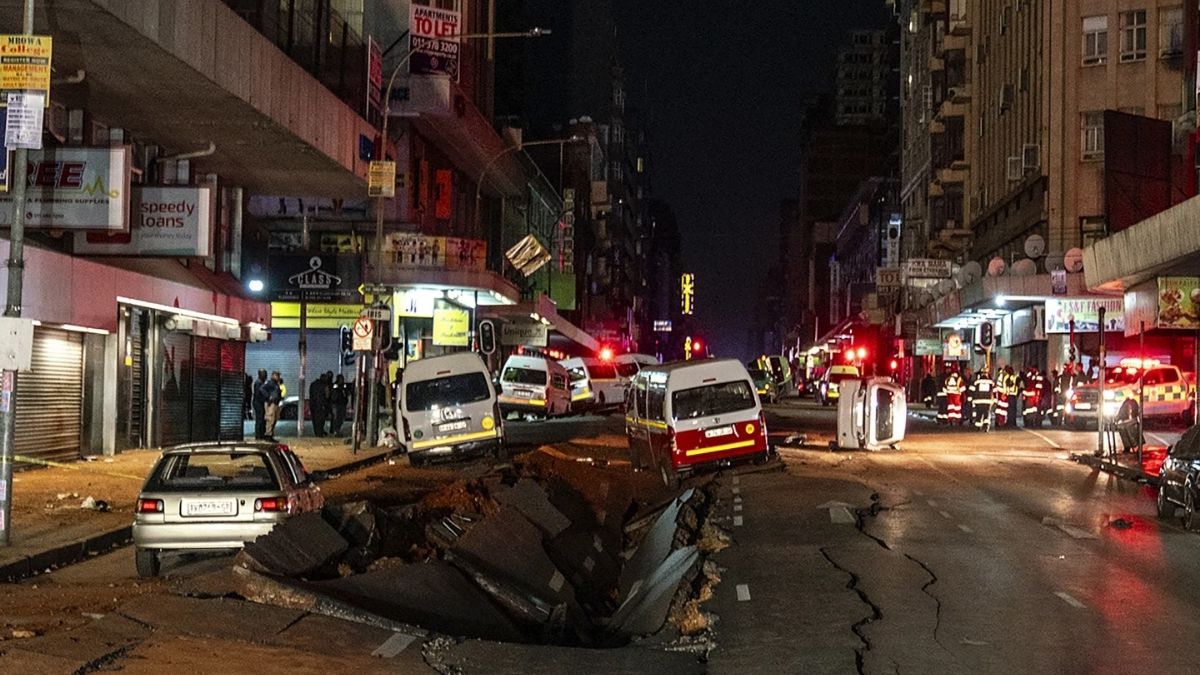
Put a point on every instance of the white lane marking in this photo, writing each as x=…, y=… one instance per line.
x=737, y=507
x=737, y=500
x=841, y=515
x=743, y=592
x=737, y=521
x=392, y=646
x=931, y=503
x=1049, y=442
x=964, y=528
x=945, y=515
x=736, y=480
x=556, y=581
x=737, y=490
x=1066, y=597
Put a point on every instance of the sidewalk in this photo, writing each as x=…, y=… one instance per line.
x=51, y=529
x=1127, y=466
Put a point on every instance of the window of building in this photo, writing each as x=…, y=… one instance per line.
x=1093, y=135
x=1170, y=32
x=1095, y=40
x=1133, y=35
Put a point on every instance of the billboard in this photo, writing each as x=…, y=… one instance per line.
x=432, y=42
x=1086, y=313
x=424, y=252
x=451, y=325
x=315, y=277
x=171, y=222
x=75, y=189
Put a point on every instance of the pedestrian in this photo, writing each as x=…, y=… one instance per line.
x=954, y=396
x=983, y=391
x=943, y=411
x=339, y=396
x=274, y=395
x=1002, y=397
x=318, y=403
x=258, y=401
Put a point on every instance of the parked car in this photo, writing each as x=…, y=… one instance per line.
x=535, y=387
x=689, y=415
x=218, y=496
x=449, y=407
x=594, y=384
x=827, y=391
x=764, y=383
x=1179, y=479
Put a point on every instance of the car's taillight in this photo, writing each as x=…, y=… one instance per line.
x=150, y=506
x=270, y=504
x=762, y=423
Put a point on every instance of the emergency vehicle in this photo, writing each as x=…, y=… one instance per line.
x=1169, y=393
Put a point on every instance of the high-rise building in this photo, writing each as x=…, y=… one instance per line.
x=863, y=80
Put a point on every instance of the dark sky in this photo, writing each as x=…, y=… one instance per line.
x=724, y=82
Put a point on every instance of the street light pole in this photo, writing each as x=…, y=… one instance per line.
x=380, y=153
x=12, y=308
x=561, y=142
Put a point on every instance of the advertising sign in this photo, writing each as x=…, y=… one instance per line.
x=662, y=326
x=443, y=202
x=954, y=348
x=318, y=314
x=381, y=179
x=687, y=293
x=1085, y=312
x=424, y=252
x=416, y=304
x=25, y=65
x=374, y=76
x=75, y=189
x=888, y=279
x=528, y=255
x=432, y=42
x=171, y=222
x=1179, y=302
x=23, y=125
x=927, y=268
x=316, y=277
x=530, y=334
x=928, y=347
x=451, y=325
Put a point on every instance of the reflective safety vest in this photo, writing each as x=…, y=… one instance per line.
x=981, y=391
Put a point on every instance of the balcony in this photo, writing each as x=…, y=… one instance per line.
x=955, y=43
x=951, y=110
x=936, y=64
x=959, y=24
x=951, y=176
x=960, y=93
x=937, y=127
x=934, y=6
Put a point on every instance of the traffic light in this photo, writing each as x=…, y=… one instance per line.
x=346, y=341
x=487, y=337
x=985, y=334
x=1071, y=354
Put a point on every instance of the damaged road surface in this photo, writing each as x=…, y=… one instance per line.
x=541, y=552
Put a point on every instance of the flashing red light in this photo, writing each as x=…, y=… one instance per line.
x=862, y=353
x=894, y=364
x=606, y=353
x=697, y=345
x=850, y=356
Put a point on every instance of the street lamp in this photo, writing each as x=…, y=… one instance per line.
x=576, y=138
x=387, y=109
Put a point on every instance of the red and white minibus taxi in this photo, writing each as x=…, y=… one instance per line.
x=691, y=414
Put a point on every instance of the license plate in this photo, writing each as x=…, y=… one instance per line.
x=1083, y=406
x=453, y=426
x=718, y=432
x=210, y=507
x=523, y=394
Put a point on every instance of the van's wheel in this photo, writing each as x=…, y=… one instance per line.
x=147, y=561
x=500, y=451
x=1188, y=417
x=670, y=479
x=416, y=459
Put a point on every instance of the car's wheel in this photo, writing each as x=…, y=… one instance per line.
x=147, y=562
x=500, y=451
x=670, y=478
x=1190, y=519
x=417, y=459
x=1188, y=417
x=1079, y=425
x=1162, y=505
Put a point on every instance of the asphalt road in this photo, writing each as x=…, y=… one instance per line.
x=983, y=553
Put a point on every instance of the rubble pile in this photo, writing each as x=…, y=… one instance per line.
x=539, y=551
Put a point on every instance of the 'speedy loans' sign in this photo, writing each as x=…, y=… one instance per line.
x=174, y=222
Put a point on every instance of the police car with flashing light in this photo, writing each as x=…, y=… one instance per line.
x=1168, y=394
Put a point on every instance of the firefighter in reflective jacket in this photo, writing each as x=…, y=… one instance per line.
x=982, y=391
x=953, y=387
x=1006, y=384
x=1033, y=384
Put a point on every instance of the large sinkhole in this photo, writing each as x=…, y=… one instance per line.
x=538, y=551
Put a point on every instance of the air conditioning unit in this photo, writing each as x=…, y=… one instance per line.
x=1015, y=170
x=1031, y=157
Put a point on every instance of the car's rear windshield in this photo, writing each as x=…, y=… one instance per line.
x=577, y=374
x=627, y=369
x=1121, y=376
x=524, y=376
x=603, y=371
x=758, y=374
x=712, y=399
x=213, y=472
x=446, y=392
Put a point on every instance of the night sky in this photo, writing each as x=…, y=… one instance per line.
x=724, y=82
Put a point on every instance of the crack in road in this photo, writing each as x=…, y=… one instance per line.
x=103, y=661
x=856, y=627
x=933, y=579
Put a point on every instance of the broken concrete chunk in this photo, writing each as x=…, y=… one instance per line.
x=297, y=547
x=356, y=521
x=644, y=609
x=530, y=499
x=655, y=546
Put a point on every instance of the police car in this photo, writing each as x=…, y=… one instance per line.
x=1167, y=390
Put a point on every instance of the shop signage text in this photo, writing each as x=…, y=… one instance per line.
x=315, y=278
x=687, y=293
x=433, y=41
x=25, y=64
x=527, y=334
x=451, y=325
x=173, y=222
x=927, y=268
x=75, y=189
x=1086, y=313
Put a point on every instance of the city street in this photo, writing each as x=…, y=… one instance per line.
x=961, y=552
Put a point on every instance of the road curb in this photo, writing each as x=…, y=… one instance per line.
x=81, y=549
x=1117, y=470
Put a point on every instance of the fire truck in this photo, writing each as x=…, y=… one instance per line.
x=1169, y=393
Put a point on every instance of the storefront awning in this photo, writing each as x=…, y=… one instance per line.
x=1164, y=244
x=994, y=297
x=544, y=310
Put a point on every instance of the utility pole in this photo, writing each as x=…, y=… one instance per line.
x=12, y=308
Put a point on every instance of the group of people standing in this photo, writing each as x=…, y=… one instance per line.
x=999, y=401
x=327, y=401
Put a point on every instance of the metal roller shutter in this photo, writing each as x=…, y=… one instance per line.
x=233, y=390
x=282, y=353
x=49, y=420
x=175, y=389
x=206, y=389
